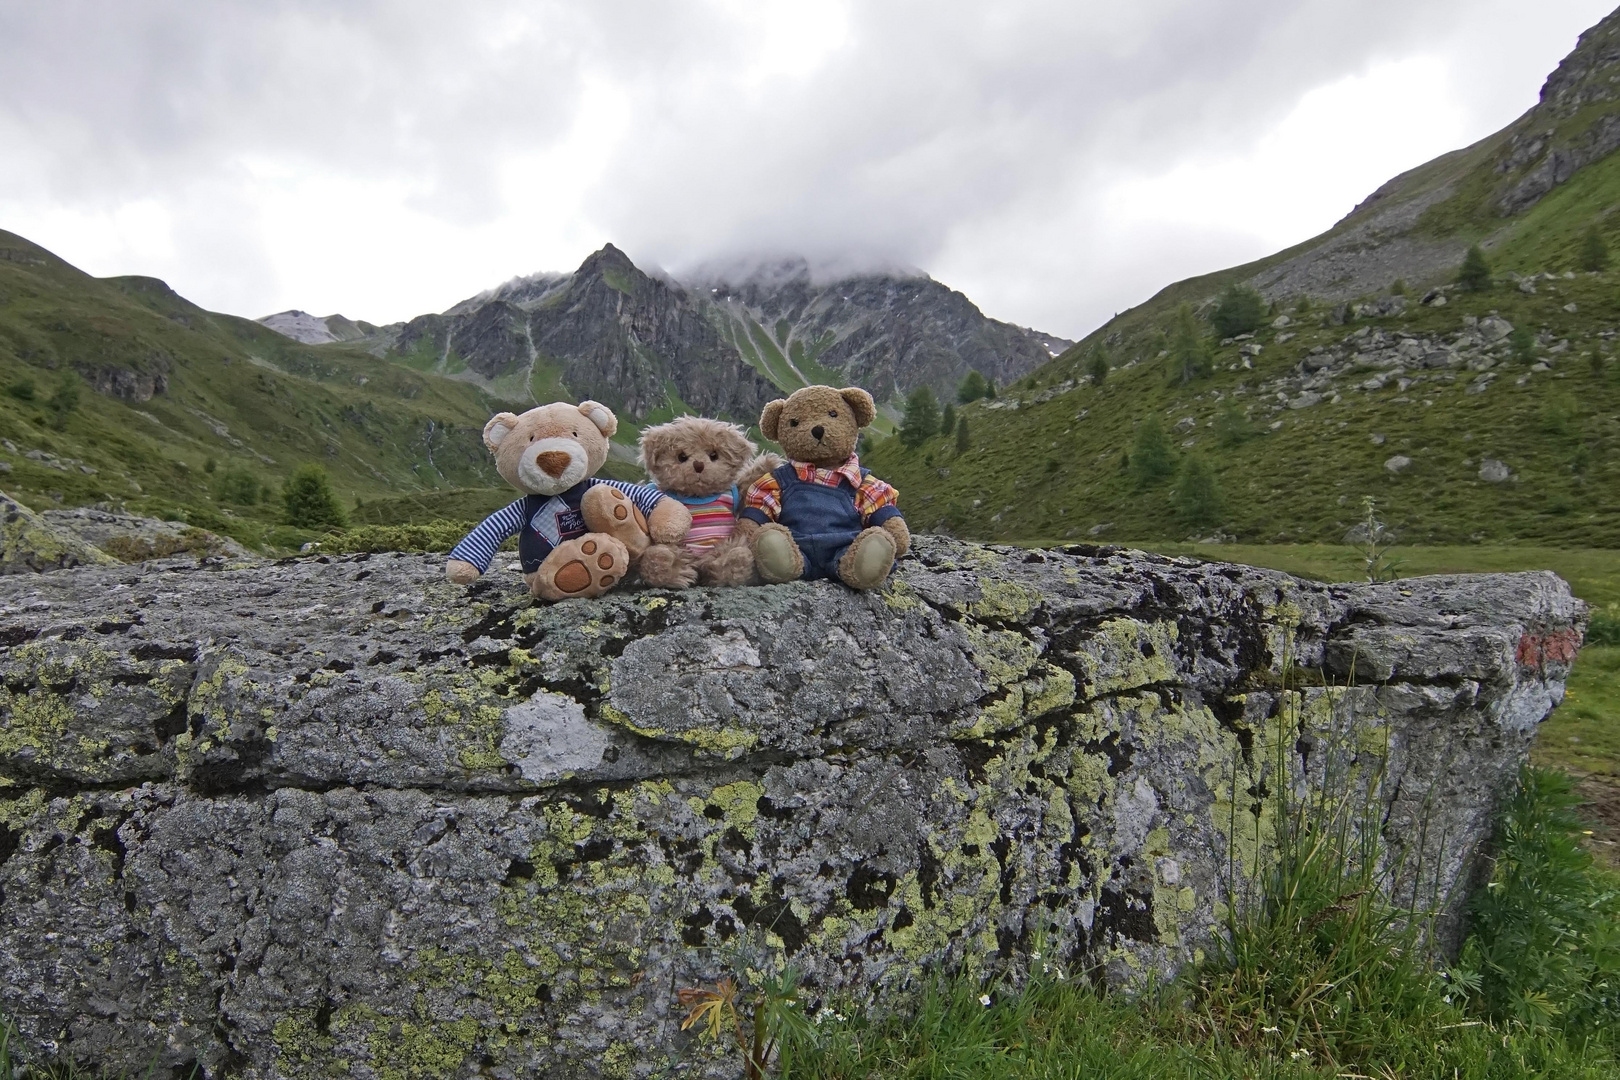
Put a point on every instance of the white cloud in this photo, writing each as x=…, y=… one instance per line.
x=1055, y=160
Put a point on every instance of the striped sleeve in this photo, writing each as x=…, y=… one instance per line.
x=876, y=501
x=645, y=496
x=763, y=502
x=479, y=546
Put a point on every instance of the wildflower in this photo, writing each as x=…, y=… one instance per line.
x=1271, y=1030
x=984, y=999
x=1298, y=1055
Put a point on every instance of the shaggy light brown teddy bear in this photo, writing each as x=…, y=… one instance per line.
x=577, y=535
x=705, y=464
x=821, y=514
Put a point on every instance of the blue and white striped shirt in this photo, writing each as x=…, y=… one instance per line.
x=542, y=522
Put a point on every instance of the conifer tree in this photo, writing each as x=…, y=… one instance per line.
x=972, y=388
x=1098, y=366
x=922, y=417
x=310, y=502
x=1151, y=458
x=961, y=434
x=1238, y=312
x=1196, y=496
x=1475, y=274
x=1594, y=252
x=1189, y=351
x=947, y=419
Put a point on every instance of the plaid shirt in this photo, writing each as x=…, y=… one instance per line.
x=871, y=494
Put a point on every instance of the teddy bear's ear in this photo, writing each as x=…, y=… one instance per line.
x=770, y=417
x=499, y=427
x=601, y=416
x=860, y=402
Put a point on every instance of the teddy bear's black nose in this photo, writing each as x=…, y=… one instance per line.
x=697, y=466
x=818, y=431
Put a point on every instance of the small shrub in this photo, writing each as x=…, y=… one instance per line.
x=210, y=465
x=1604, y=627
x=922, y=418
x=1302, y=306
x=1232, y=427
x=238, y=485
x=1475, y=272
x=1594, y=252
x=1239, y=311
x=1545, y=946
x=309, y=501
x=1151, y=458
x=1398, y=288
x=22, y=389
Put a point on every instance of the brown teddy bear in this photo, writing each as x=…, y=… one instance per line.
x=702, y=463
x=577, y=535
x=821, y=514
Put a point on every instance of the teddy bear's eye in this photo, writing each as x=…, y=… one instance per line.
x=833, y=414
x=531, y=438
x=793, y=423
x=680, y=457
x=576, y=434
x=714, y=455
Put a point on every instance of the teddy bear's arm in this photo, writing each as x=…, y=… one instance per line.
x=669, y=522
x=477, y=549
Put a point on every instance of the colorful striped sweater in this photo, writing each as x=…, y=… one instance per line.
x=714, y=518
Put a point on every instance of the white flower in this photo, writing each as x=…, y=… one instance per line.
x=1036, y=955
x=1296, y=1055
x=1271, y=1030
x=984, y=999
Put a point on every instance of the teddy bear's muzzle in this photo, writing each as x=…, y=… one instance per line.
x=554, y=462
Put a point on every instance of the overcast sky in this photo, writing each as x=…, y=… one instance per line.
x=1056, y=160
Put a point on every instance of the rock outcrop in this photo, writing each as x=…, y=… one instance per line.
x=337, y=815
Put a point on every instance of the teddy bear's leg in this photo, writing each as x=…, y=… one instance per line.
x=776, y=554
x=608, y=510
x=728, y=563
x=587, y=566
x=869, y=559
x=667, y=566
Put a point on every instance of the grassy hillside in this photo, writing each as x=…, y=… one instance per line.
x=120, y=389
x=1058, y=468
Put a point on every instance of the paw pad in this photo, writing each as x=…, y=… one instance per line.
x=574, y=577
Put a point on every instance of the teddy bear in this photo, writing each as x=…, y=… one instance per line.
x=578, y=535
x=704, y=464
x=821, y=515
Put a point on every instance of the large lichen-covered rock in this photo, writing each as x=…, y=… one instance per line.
x=31, y=545
x=338, y=816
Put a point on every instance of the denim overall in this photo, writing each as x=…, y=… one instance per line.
x=823, y=520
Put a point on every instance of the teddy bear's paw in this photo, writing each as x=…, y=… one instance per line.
x=664, y=566
x=582, y=568
x=777, y=556
x=608, y=510
x=868, y=561
x=729, y=563
x=461, y=573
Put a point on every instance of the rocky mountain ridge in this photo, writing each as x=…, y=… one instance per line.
x=722, y=343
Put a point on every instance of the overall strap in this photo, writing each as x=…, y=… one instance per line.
x=786, y=476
